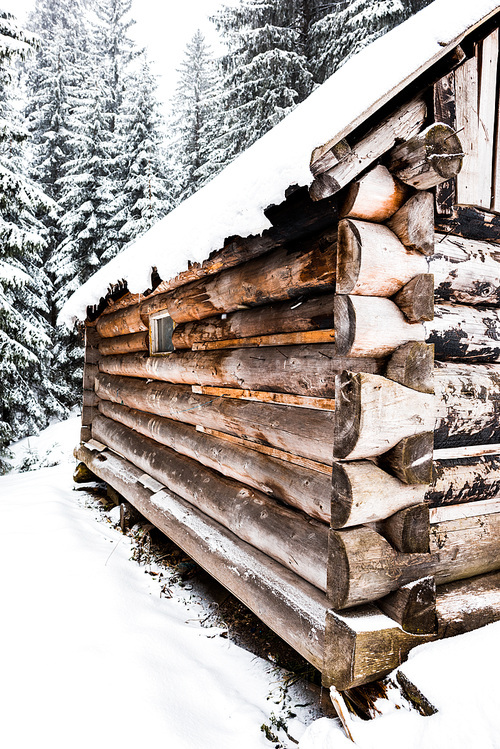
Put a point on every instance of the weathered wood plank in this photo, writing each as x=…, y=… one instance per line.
x=469, y=182
x=301, y=401
x=304, y=432
x=302, y=370
x=374, y=197
x=466, y=271
x=284, y=317
x=488, y=88
x=428, y=158
x=294, y=609
x=374, y=413
x=469, y=510
x=372, y=261
x=464, y=333
x=444, y=111
x=304, y=489
x=288, y=536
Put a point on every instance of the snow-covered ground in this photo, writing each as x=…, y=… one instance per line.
x=92, y=655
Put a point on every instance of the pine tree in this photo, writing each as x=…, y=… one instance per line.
x=26, y=397
x=190, y=127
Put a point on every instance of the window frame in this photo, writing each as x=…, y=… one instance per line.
x=153, y=333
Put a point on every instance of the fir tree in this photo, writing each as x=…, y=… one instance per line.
x=26, y=397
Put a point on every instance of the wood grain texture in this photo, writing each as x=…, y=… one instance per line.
x=304, y=432
x=413, y=606
x=471, y=223
x=488, y=102
x=375, y=196
x=413, y=223
x=288, y=536
x=469, y=182
x=466, y=271
x=412, y=365
x=428, y=158
x=121, y=322
x=301, y=401
x=465, y=605
x=411, y=459
x=445, y=111
x=416, y=298
x=408, y=529
x=464, y=479
x=464, y=333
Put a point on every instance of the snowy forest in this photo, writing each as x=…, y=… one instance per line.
x=88, y=164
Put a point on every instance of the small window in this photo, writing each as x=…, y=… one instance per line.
x=161, y=329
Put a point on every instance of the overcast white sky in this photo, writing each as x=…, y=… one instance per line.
x=162, y=26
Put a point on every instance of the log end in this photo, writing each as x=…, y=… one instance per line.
x=348, y=256
x=416, y=298
x=347, y=413
x=412, y=365
x=411, y=459
x=323, y=186
x=338, y=572
x=408, y=530
x=344, y=317
x=342, y=497
x=413, y=606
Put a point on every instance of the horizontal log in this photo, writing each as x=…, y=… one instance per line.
x=372, y=261
x=412, y=365
x=277, y=339
x=304, y=432
x=294, y=609
x=283, y=274
x=307, y=490
x=89, y=374
x=301, y=401
x=466, y=271
x=121, y=322
x=472, y=223
x=284, y=317
x=363, y=566
x=363, y=493
x=374, y=413
x=427, y=158
x=413, y=224
x=362, y=645
x=289, y=537
x=399, y=125
x=469, y=510
x=464, y=333
x=371, y=326
x=416, y=298
x=466, y=404
x=124, y=344
x=274, y=452
x=374, y=197
x=302, y=370
x=465, y=605
x=413, y=606
x=470, y=478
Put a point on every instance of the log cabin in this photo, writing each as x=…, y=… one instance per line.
x=296, y=374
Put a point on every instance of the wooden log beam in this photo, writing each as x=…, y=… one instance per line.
x=270, y=588
x=363, y=492
x=465, y=333
x=124, y=344
x=413, y=606
x=302, y=370
x=413, y=223
x=399, y=125
x=411, y=459
x=364, y=567
x=466, y=271
x=121, y=322
x=416, y=298
x=289, y=537
x=372, y=261
x=412, y=365
x=299, y=315
x=465, y=605
x=300, y=431
x=466, y=404
x=374, y=197
x=374, y=413
x=408, y=529
x=283, y=274
x=472, y=223
x=371, y=326
x=300, y=487
x=427, y=158
x=460, y=477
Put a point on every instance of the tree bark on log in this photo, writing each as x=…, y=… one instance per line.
x=413, y=224
x=300, y=431
x=428, y=158
x=270, y=588
x=374, y=197
x=466, y=271
x=288, y=536
x=124, y=344
x=373, y=413
x=283, y=274
x=364, y=567
x=464, y=333
x=371, y=326
x=283, y=317
x=363, y=493
x=302, y=370
x=413, y=606
x=372, y=261
x=467, y=404
x=302, y=488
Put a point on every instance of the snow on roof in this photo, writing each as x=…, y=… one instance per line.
x=233, y=203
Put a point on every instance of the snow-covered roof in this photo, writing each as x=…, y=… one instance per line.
x=233, y=203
